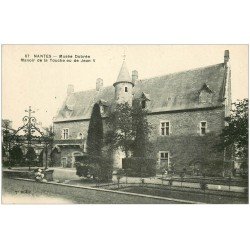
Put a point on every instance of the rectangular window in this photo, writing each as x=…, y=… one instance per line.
x=164, y=158
x=65, y=133
x=203, y=128
x=165, y=128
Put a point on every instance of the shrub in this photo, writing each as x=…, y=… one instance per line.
x=170, y=182
x=30, y=155
x=203, y=185
x=139, y=166
x=18, y=174
x=213, y=168
x=16, y=154
x=97, y=167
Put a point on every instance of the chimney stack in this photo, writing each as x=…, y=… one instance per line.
x=99, y=84
x=226, y=56
x=70, y=89
x=134, y=76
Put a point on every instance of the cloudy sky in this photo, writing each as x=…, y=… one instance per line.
x=43, y=85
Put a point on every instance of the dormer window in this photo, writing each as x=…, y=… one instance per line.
x=103, y=106
x=68, y=109
x=103, y=109
x=126, y=89
x=205, y=97
x=143, y=104
x=144, y=99
x=205, y=94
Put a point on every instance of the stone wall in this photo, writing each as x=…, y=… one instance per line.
x=75, y=127
x=70, y=146
x=185, y=144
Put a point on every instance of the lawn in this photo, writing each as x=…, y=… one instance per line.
x=192, y=196
x=20, y=191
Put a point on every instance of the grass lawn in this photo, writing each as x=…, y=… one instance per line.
x=207, y=198
x=20, y=192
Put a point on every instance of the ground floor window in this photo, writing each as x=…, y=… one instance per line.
x=164, y=158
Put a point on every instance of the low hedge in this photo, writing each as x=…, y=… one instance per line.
x=139, y=166
x=213, y=168
x=18, y=174
x=93, y=166
x=48, y=174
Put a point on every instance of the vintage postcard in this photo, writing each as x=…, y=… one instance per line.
x=124, y=124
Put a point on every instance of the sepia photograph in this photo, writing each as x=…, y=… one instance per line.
x=125, y=124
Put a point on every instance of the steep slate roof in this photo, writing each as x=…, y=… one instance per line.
x=178, y=91
x=83, y=102
x=181, y=90
x=123, y=74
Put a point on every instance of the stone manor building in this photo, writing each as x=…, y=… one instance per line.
x=187, y=111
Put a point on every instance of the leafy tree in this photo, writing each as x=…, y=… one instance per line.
x=121, y=133
x=235, y=133
x=41, y=157
x=16, y=154
x=95, y=132
x=142, y=130
x=31, y=154
x=3, y=151
x=129, y=129
x=49, y=136
x=6, y=136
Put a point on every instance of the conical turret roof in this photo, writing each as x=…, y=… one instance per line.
x=124, y=74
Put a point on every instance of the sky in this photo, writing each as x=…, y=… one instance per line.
x=43, y=84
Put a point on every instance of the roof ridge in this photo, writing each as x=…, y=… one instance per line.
x=182, y=71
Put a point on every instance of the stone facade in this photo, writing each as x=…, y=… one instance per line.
x=76, y=144
x=75, y=128
x=185, y=143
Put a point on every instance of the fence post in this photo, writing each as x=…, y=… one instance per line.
x=182, y=176
x=204, y=186
x=229, y=182
x=170, y=182
x=162, y=173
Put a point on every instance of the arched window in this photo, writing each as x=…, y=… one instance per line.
x=126, y=89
